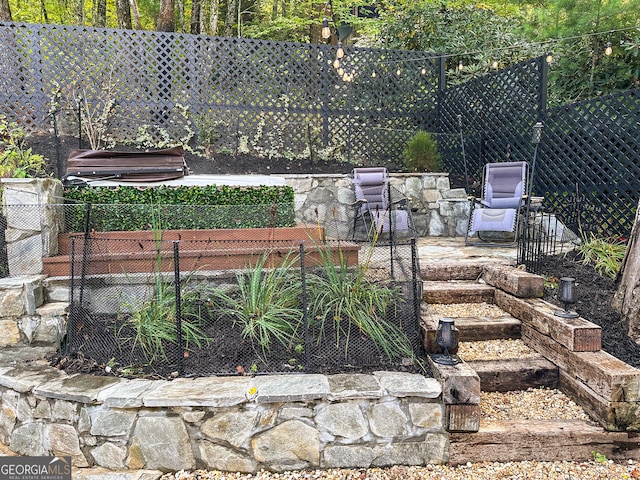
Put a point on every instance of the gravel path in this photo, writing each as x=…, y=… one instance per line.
x=592, y=470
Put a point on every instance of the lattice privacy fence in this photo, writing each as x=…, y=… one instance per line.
x=287, y=99
x=271, y=98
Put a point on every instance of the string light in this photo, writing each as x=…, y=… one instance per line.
x=373, y=74
x=341, y=72
x=549, y=58
x=423, y=71
x=460, y=66
x=609, y=50
x=336, y=64
x=340, y=51
x=326, y=31
x=398, y=72
x=494, y=64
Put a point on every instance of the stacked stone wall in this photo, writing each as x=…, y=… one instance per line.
x=236, y=424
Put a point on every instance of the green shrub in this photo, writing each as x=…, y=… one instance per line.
x=130, y=208
x=16, y=160
x=604, y=255
x=421, y=154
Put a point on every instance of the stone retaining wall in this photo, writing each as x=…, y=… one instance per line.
x=239, y=424
x=439, y=211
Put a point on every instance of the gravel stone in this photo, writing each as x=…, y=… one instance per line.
x=457, y=310
x=494, y=350
x=591, y=470
x=531, y=404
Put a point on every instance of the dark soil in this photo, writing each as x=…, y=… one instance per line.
x=218, y=164
x=594, y=296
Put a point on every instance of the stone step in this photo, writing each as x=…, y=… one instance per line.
x=515, y=374
x=464, y=269
x=457, y=292
x=540, y=440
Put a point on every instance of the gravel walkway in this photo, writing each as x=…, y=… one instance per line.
x=478, y=471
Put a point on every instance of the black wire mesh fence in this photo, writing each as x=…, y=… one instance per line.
x=245, y=307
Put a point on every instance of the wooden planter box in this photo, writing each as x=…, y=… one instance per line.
x=219, y=249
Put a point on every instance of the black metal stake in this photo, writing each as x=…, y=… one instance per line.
x=176, y=278
x=305, y=317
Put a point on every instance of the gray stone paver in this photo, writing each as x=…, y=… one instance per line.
x=205, y=391
x=290, y=388
x=401, y=384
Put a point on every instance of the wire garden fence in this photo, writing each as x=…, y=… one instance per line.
x=194, y=308
x=166, y=301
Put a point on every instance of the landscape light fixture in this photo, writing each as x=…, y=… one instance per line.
x=446, y=338
x=567, y=295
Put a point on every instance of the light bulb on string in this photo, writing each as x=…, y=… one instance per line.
x=609, y=50
x=340, y=51
x=373, y=74
x=345, y=77
x=549, y=58
x=336, y=63
x=423, y=71
x=460, y=66
x=494, y=64
x=398, y=72
x=326, y=31
x=341, y=71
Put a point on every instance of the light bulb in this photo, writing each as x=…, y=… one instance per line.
x=608, y=51
x=341, y=71
x=398, y=72
x=340, y=51
x=423, y=71
x=345, y=77
x=460, y=66
x=373, y=74
x=336, y=63
x=326, y=31
x=549, y=58
x=494, y=64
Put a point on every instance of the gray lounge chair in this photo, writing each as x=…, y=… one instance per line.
x=503, y=196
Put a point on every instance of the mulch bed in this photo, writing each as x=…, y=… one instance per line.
x=594, y=296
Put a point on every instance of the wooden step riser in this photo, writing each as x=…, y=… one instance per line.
x=448, y=293
x=535, y=440
x=515, y=374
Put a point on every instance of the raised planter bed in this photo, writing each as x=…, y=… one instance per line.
x=219, y=249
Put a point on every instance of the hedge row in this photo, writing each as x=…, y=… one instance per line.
x=171, y=208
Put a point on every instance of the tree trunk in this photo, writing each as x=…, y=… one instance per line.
x=101, y=13
x=5, y=11
x=166, y=22
x=195, y=16
x=123, y=12
x=214, y=16
x=136, y=15
x=43, y=8
x=231, y=15
x=627, y=297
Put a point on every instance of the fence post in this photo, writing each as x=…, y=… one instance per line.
x=176, y=277
x=414, y=278
x=305, y=318
x=85, y=247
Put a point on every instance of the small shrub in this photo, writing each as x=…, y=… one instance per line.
x=16, y=160
x=267, y=306
x=605, y=255
x=421, y=154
